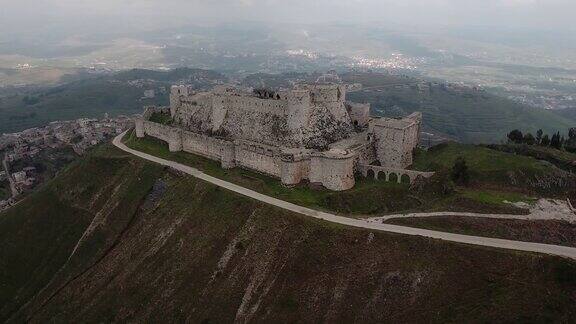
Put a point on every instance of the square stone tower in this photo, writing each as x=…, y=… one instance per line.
x=396, y=139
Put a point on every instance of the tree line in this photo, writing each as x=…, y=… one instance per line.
x=557, y=140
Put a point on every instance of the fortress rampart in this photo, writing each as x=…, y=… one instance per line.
x=309, y=133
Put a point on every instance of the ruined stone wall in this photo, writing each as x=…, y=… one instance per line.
x=262, y=158
x=254, y=104
x=359, y=113
x=171, y=135
x=326, y=129
x=176, y=93
x=327, y=93
x=291, y=120
x=366, y=154
x=334, y=173
x=390, y=147
x=395, y=140
x=206, y=146
x=139, y=126
x=195, y=113
x=294, y=169
x=298, y=114
x=268, y=129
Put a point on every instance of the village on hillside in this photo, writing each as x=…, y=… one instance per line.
x=32, y=156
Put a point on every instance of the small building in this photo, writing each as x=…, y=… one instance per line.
x=20, y=176
x=149, y=94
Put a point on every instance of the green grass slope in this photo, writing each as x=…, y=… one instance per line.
x=39, y=234
x=496, y=169
x=175, y=249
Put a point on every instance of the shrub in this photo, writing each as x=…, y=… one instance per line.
x=460, y=174
x=516, y=136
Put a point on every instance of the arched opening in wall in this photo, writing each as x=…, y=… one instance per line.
x=405, y=179
x=393, y=177
x=356, y=123
x=382, y=176
x=370, y=174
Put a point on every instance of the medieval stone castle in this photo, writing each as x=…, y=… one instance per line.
x=309, y=133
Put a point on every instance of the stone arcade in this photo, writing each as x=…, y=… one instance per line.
x=308, y=133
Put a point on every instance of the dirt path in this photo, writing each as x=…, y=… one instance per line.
x=544, y=209
x=359, y=223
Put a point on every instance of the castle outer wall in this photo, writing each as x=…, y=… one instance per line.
x=309, y=133
x=292, y=167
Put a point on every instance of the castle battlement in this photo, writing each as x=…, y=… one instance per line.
x=308, y=133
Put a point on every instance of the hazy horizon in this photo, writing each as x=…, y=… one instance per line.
x=38, y=17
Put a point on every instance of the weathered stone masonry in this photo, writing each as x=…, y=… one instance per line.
x=308, y=133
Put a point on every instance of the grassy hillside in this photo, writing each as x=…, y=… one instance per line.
x=5, y=190
x=39, y=234
x=562, y=159
x=167, y=248
x=568, y=113
x=495, y=169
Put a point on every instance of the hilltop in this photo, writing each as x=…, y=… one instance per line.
x=136, y=242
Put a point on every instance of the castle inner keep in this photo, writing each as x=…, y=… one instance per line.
x=309, y=133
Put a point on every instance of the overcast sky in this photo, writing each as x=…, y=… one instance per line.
x=37, y=15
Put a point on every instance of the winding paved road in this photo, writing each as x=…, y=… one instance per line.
x=563, y=251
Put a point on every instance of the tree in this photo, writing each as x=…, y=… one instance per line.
x=570, y=144
x=529, y=139
x=516, y=136
x=555, y=141
x=460, y=173
x=539, y=135
x=545, y=140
